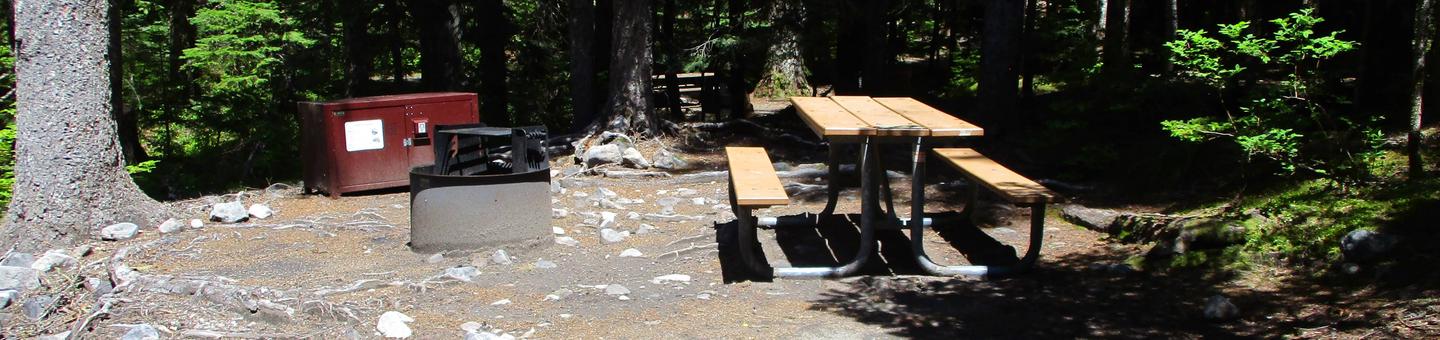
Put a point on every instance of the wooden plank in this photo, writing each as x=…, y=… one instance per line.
x=882, y=119
x=756, y=184
x=827, y=118
x=941, y=124
x=1009, y=185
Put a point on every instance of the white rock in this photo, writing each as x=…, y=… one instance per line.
x=686, y=192
x=645, y=229
x=632, y=252
x=229, y=212
x=603, y=154
x=196, y=224
x=697, y=201
x=607, y=219
x=615, y=289
x=679, y=278
x=501, y=257
x=392, y=325
x=606, y=203
x=557, y=230
x=119, y=231
x=543, y=264
x=18, y=259
x=8, y=296
x=141, y=332
x=566, y=240
x=436, y=258
x=170, y=226
x=500, y=302
x=634, y=159
x=611, y=236
x=606, y=193
x=57, y=336
x=462, y=273
x=260, y=211
x=1218, y=307
x=559, y=212
x=471, y=326
x=632, y=215
x=51, y=259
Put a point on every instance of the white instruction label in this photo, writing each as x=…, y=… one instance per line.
x=363, y=135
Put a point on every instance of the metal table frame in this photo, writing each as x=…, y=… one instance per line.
x=872, y=178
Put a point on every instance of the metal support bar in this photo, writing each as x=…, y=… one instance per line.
x=1037, y=238
x=834, y=182
x=868, y=198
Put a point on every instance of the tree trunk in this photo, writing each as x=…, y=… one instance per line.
x=1027, y=46
x=1424, y=29
x=182, y=36
x=1172, y=24
x=672, y=61
x=1117, y=40
x=784, y=67
x=70, y=178
x=126, y=121
x=1103, y=20
x=630, y=104
x=739, y=93
x=604, y=24
x=359, y=55
x=582, y=63
x=998, y=55
x=397, y=44
x=441, y=68
x=874, y=80
x=849, y=46
x=494, y=36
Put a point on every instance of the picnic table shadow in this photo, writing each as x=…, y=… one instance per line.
x=834, y=241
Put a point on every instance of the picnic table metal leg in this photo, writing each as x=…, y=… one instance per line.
x=833, y=182
x=868, y=218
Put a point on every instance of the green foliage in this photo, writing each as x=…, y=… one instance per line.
x=1284, y=118
x=7, y=134
x=241, y=52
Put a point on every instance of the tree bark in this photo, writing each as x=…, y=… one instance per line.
x=604, y=24
x=1117, y=39
x=849, y=46
x=441, y=68
x=630, y=104
x=739, y=91
x=1172, y=24
x=494, y=36
x=70, y=178
x=582, y=63
x=998, y=55
x=359, y=55
x=127, y=122
x=784, y=66
x=1027, y=46
x=1421, y=43
x=672, y=60
x=874, y=80
x=397, y=44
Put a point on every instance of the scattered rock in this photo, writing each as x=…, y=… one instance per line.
x=196, y=224
x=634, y=159
x=677, y=278
x=559, y=294
x=697, y=201
x=436, y=258
x=392, y=325
x=664, y=159
x=500, y=302
x=566, y=240
x=557, y=230
x=119, y=231
x=7, y=297
x=1363, y=246
x=37, y=307
x=57, y=336
x=18, y=259
x=607, y=219
x=170, y=226
x=705, y=295
x=608, y=204
x=19, y=278
x=686, y=192
x=1218, y=307
x=81, y=251
x=612, y=236
x=631, y=252
x=559, y=212
x=471, y=326
x=1101, y=220
x=543, y=264
x=141, y=332
x=667, y=205
x=632, y=215
x=51, y=259
x=462, y=273
x=645, y=229
x=260, y=211
x=99, y=286
x=603, y=154
x=615, y=289
x=501, y=257
x=229, y=212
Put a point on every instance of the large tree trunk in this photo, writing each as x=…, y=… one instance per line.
x=494, y=36
x=1424, y=29
x=849, y=46
x=999, y=52
x=1172, y=24
x=604, y=23
x=582, y=63
x=70, y=177
x=630, y=104
x=182, y=36
x=359, y=53
x=874, y=79
x=1027, y=48
x=1117, y=39
x=739, y=91
x=784, y=67
x=441, y=68
x=672, y=60
x=127, y=122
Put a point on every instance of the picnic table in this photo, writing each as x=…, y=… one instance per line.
x=873, y=124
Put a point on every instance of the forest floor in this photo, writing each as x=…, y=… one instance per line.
x=339, y=264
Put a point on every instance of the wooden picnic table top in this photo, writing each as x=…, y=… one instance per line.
x=865, y=116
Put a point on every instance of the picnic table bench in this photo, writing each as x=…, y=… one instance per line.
x=870, y=122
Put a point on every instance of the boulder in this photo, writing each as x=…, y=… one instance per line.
x=141, y=332
x=1363, y=246
x=119, y=231
x=1101, y=220
x=664, y=159
x=603, y=154
x=634, y=159
x=51, y=259
x=392, y=325
x=1218, y=307
x=260, y=211
x=19, y=278
x=229, y=212
x=18, y=259
x=170, y=226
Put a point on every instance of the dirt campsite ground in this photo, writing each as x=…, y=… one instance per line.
x=332, y=267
